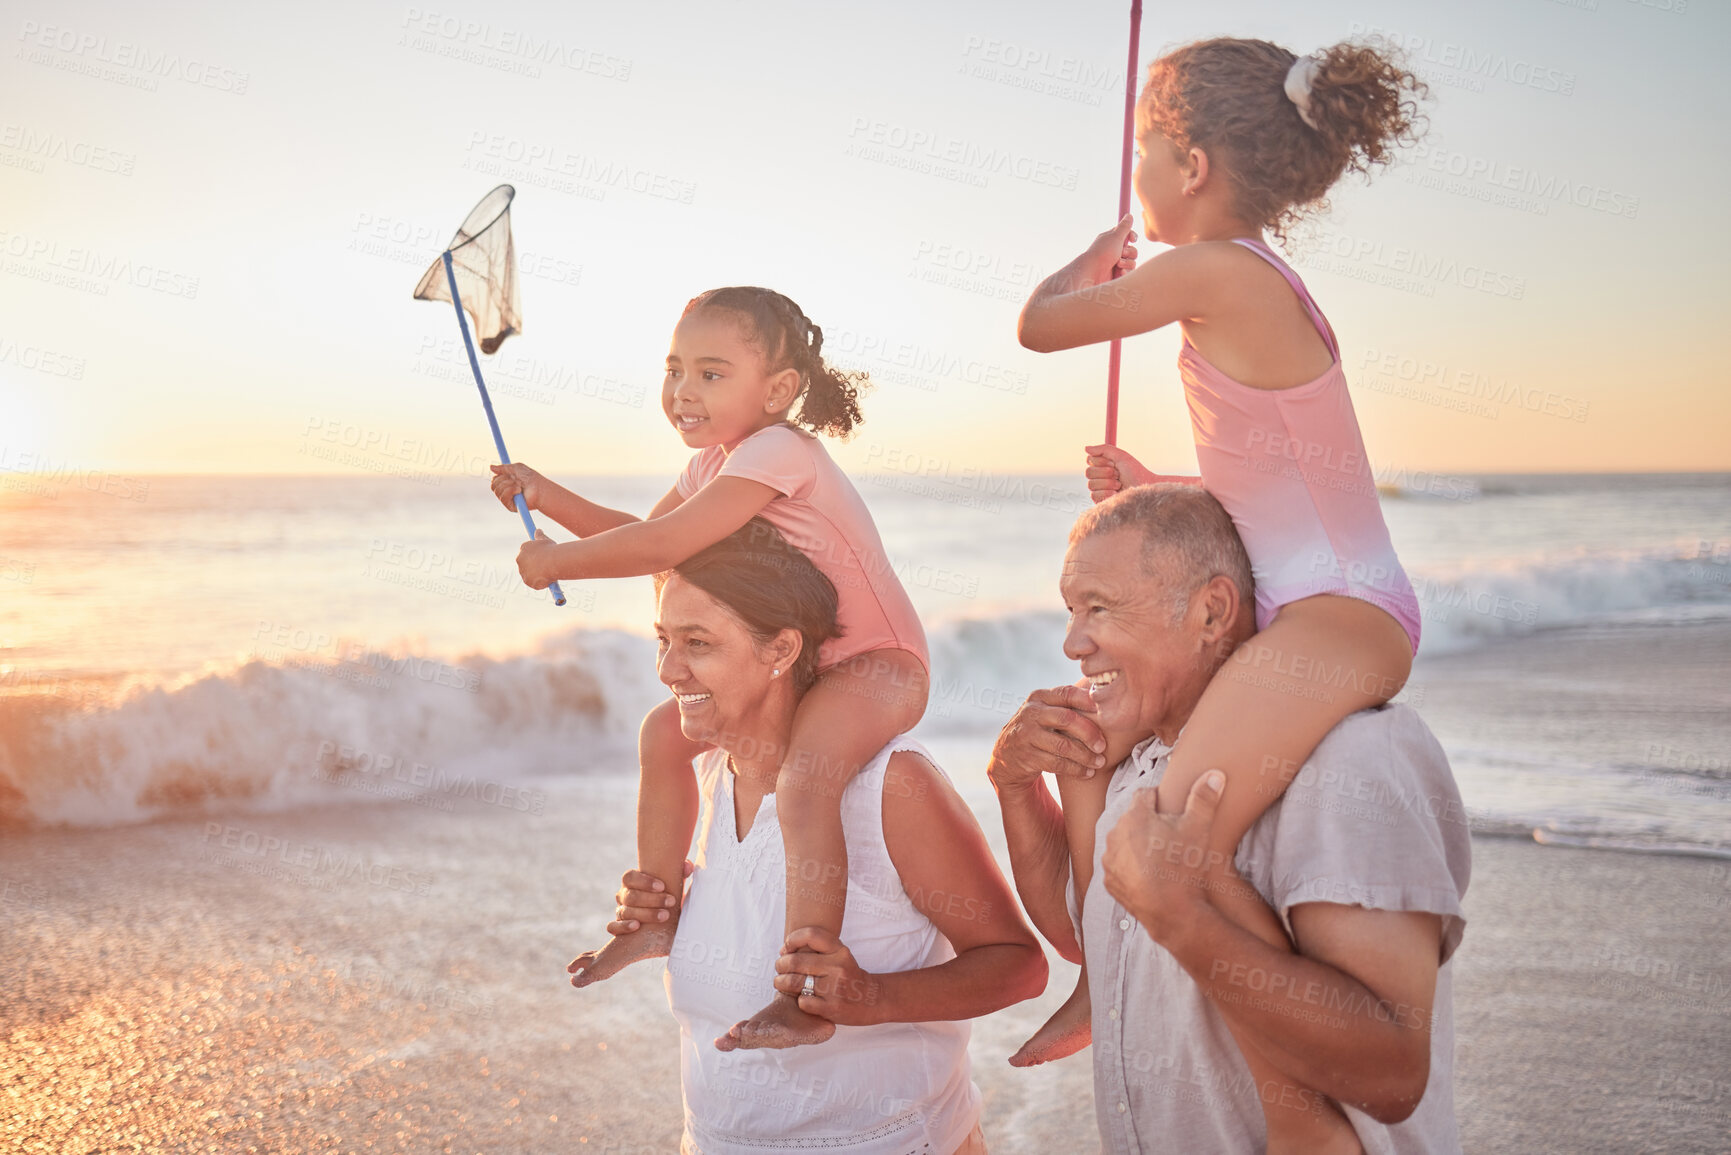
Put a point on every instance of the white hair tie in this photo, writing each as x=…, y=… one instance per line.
x=1298, y=81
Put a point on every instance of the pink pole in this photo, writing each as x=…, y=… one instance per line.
x=1115, y=357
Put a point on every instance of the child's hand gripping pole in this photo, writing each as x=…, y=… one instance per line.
x=492, y=421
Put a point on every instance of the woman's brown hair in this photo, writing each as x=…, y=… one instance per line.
x=1228, y=98
x=769, y=586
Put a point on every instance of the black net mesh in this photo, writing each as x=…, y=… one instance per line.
x=484, y=262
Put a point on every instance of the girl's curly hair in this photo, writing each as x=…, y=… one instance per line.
x=789, y=339
x=1228, y=98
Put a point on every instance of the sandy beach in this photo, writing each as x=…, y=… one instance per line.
x=389, y=977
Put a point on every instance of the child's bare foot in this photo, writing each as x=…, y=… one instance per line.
x=1066, y=1032
x=653, y=940
x=781, y=1024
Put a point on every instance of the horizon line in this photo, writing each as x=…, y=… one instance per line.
x=373, y=476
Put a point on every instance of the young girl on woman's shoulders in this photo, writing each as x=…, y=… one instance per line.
x=740, y=360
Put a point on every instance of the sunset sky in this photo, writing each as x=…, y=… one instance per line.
x=211, y=221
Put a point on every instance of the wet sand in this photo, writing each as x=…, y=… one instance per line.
x=390, y=977
x=1593, y=1001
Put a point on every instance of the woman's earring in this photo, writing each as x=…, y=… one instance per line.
x=776, y=673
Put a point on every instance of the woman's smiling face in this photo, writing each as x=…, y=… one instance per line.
x=716, y=669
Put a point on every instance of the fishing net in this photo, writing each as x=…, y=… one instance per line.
x=484, y=262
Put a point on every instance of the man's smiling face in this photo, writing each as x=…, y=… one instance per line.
x=1144, y=662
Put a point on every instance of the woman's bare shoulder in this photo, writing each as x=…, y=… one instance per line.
x=912, y=785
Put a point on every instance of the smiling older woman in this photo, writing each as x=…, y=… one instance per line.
x=931, y=937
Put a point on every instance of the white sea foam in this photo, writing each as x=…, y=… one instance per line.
x=1463, y=607
x=393, y=725
x=265, y=736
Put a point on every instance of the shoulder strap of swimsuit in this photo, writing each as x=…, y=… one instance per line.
x=1316, y=317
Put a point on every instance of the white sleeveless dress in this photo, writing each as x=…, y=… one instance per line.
x=894, y=1089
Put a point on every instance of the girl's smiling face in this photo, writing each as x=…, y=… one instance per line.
x=718, y=389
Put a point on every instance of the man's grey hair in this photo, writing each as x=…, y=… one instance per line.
x=1187, y=537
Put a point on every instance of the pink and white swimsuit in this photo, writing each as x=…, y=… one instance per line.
x=1289, y=466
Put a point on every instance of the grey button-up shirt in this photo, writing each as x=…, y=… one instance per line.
x=1373, y=819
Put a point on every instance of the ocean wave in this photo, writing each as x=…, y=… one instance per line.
x=297, y=730
x=286, y=732
x=1462, y=607
x=983, y=669
x=1568, y=485
x=266, y=736
x=1593, y=839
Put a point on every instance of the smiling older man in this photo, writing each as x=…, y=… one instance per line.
x=1365, y=859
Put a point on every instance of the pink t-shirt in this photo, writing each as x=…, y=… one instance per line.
x=821, y=514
